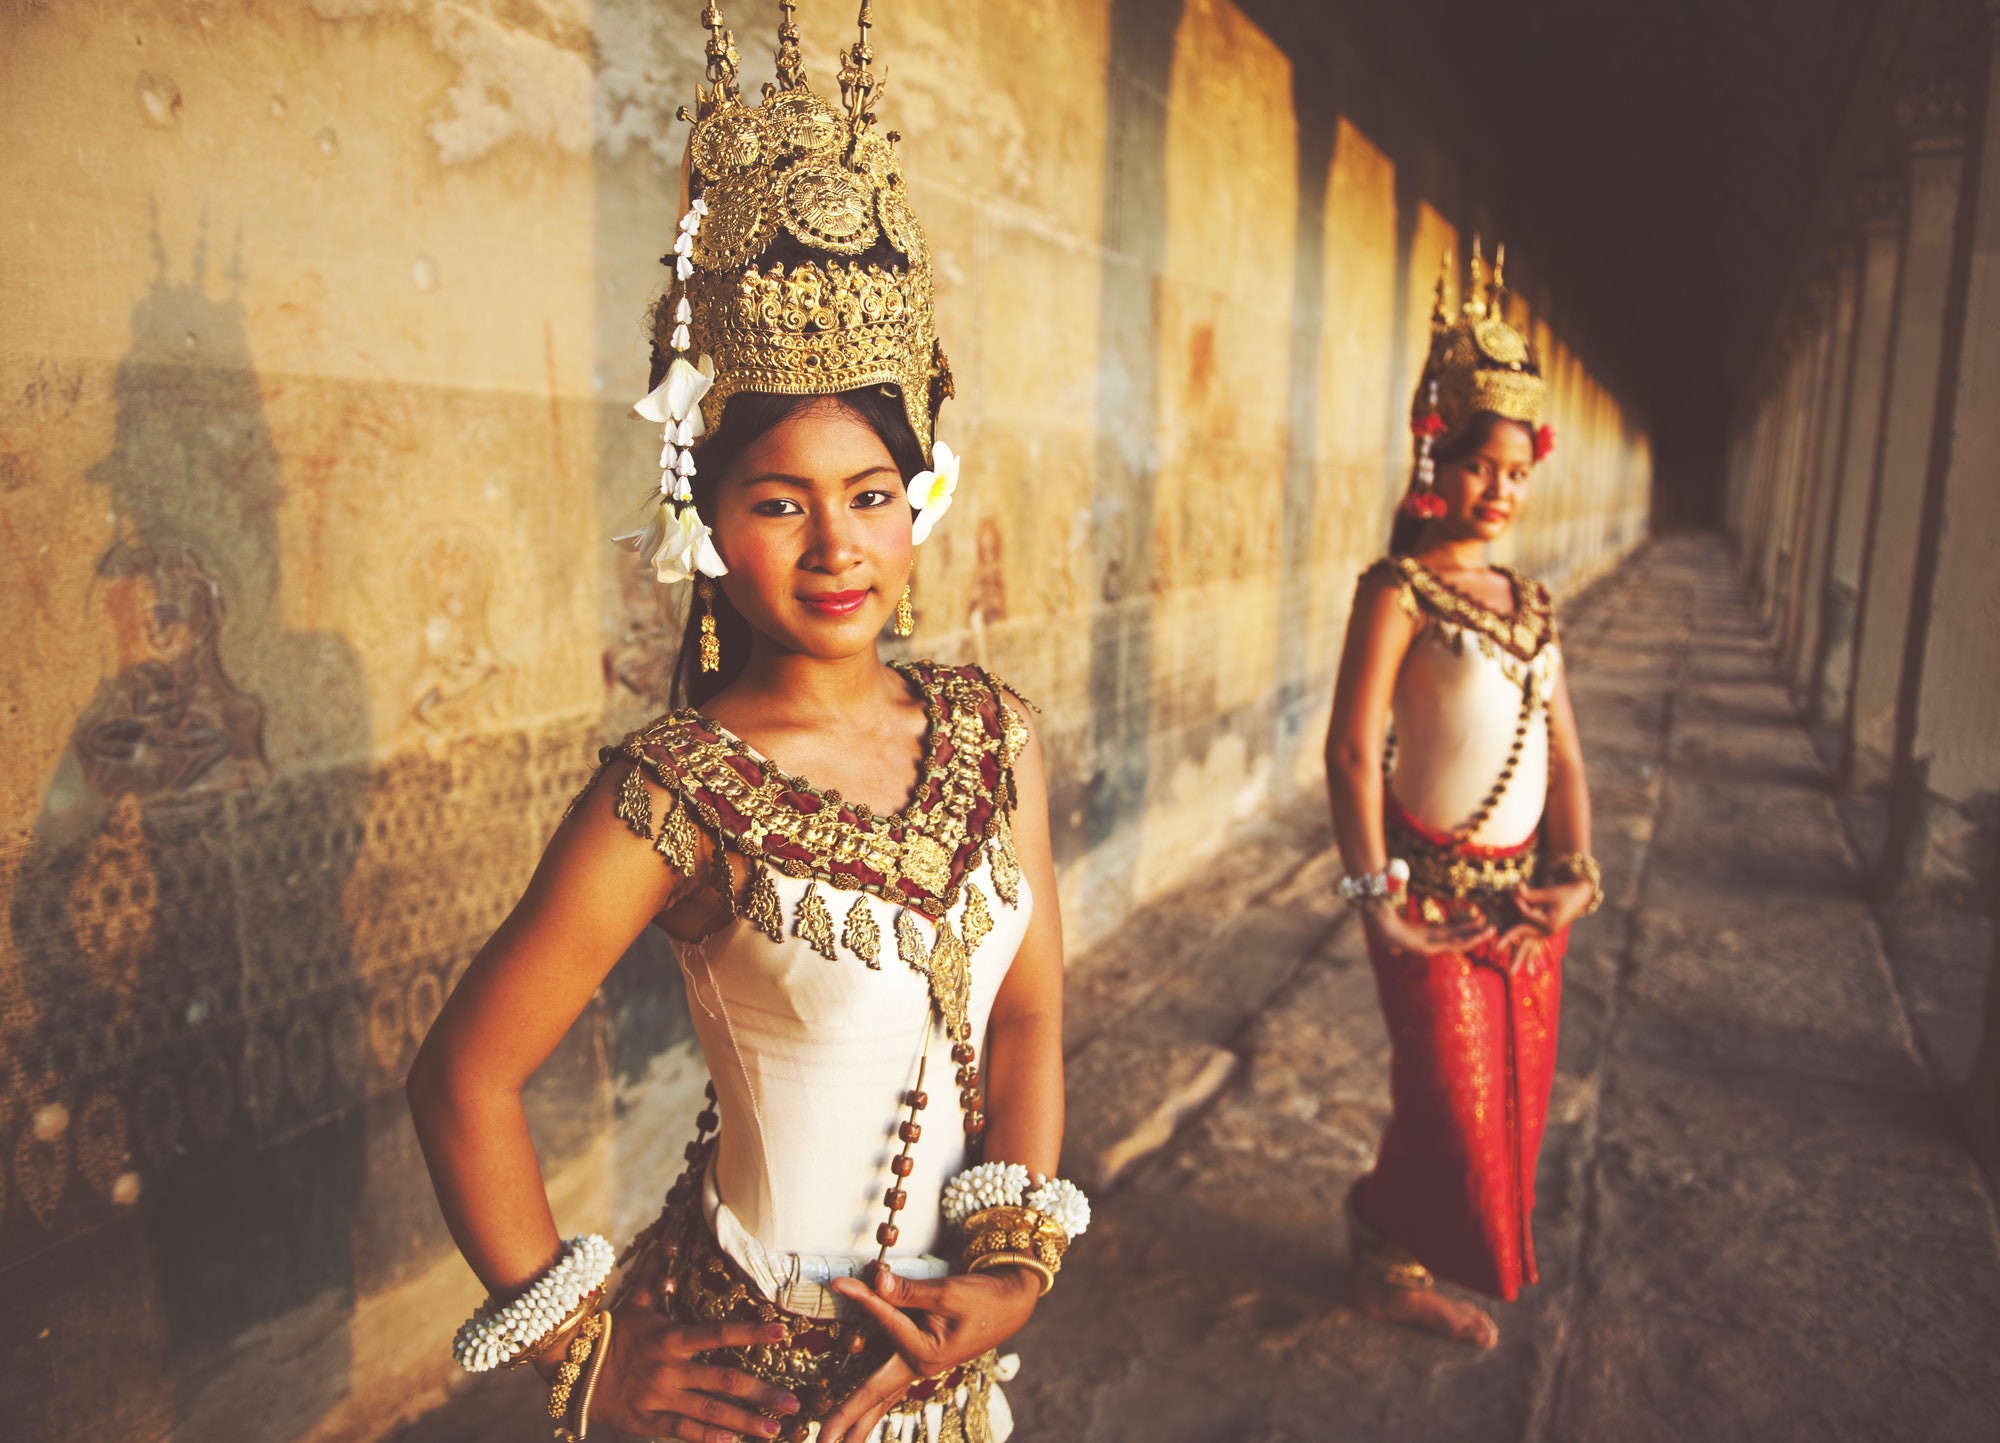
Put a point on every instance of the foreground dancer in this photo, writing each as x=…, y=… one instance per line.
x=873, y=958
x=1465, y=826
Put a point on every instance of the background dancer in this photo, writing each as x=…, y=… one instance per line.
x=1460, y=806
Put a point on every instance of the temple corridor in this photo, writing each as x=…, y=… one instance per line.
x=321, y=329
x=1756, y=1219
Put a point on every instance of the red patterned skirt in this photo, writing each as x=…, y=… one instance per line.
x=1472, y=1059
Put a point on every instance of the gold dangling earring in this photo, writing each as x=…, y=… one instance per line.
x=711, y=649
x=906, y=614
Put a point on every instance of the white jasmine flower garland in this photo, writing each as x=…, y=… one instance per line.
x=493, y=1336
x=675, y=541
x=1005, y=1184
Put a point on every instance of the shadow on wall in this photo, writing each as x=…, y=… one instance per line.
x=192, y=1029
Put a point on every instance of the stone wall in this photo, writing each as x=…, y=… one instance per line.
x=319, y=321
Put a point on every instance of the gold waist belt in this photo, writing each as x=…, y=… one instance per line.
x=1440, y=869
x=691, y=1280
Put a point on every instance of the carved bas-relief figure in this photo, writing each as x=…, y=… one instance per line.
x=170, y=724
x=182, y=1014
x=461, y=684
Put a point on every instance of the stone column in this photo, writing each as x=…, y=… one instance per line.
x=1795, y=504
x=1757, y=485
x=1880, y=207
x=1826, y=464
x=1934, y=116
x=1778, y=471
x=1945, y=799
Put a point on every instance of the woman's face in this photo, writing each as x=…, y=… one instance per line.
x=813, y=525
x=1485, y=492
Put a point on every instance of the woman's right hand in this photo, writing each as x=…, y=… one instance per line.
x=1390, y=931
x=651, y=1386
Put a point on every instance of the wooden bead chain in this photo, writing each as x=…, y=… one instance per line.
x=902, y=1164
x=971, y=1094
x=1465, y=829
x=971, y=1099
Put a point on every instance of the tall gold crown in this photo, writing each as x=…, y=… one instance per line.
x=810, y=273
x=1477, y=362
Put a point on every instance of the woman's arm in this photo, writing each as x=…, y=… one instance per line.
x=596, y=888
x=1023, y=1067
x=1565, y=829
x=1566, y=814
x=937, y=1325
x=1379, y=633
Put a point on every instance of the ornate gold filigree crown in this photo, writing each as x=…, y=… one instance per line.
x=1477, y=362
x=809, y=270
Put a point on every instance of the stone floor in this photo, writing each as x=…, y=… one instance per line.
x=1755, y=1220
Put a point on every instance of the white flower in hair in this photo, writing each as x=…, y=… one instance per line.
x=931, y=491
x=677, y=543
x=678, y=397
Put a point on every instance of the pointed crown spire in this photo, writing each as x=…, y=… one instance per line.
x=805, y=271
x=791, y=65
x=1477, y=362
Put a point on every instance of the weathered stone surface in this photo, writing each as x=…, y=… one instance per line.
x=1133, y=1093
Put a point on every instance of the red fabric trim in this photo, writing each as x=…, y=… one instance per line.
x=1443, y=839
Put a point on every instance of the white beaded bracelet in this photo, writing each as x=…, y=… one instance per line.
x=1005, y=1185
x=1361, y=889
x=493, y=1336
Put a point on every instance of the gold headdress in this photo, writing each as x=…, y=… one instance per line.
x=807, y=271
x=1477, y=362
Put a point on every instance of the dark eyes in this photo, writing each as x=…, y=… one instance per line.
x=785, y=506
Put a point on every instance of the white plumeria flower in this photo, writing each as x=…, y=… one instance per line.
x=677, y=544
x=678, y=397
x=931, y=491
x=683, y=267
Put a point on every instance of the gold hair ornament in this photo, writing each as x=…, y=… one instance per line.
x=800, y=269
x=810, y=274
x=1477, y=363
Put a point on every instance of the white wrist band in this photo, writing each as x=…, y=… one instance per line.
x=493, y=1336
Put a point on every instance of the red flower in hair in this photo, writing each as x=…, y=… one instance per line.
x=1545, y=441
x=1423, y=505
x=1429, y=425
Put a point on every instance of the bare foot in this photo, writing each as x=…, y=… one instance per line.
x=1429, y=1309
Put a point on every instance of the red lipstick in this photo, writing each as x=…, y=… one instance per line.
x=836, y=603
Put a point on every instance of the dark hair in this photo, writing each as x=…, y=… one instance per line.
x=1405, y=530
x=747, y=418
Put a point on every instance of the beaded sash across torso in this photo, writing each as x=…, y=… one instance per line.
x=1468, y=756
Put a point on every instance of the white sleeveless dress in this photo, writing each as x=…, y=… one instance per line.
x=865, y=946
x=1464, y=684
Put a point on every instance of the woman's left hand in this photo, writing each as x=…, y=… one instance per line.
x=935, y=1324
x=1546, y=911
